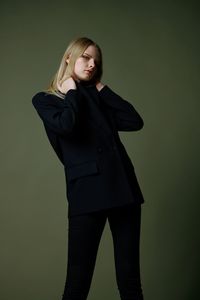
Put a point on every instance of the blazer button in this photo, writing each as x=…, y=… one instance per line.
x=100, y=149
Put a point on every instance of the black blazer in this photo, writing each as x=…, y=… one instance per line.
x=83, y=131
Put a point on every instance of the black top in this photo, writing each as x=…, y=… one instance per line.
x=83, y=130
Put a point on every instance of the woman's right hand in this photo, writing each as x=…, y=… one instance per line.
x=67, y=85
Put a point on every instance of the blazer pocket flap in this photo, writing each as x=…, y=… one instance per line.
x=82, y=169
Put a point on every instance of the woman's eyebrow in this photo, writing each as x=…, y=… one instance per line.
x=95, y=58
x=88, y=54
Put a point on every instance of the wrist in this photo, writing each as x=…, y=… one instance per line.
x=99, y=86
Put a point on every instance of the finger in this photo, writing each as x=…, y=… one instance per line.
x=59, y=86
x=72, y=78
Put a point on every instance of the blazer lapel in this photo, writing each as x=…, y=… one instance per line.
x=94, y=101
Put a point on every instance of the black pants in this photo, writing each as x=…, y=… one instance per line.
x=84, y=234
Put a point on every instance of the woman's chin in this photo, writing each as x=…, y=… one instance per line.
x=85, y=78
x=81, y=78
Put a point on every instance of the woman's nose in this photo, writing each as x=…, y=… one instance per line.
x=91, y=63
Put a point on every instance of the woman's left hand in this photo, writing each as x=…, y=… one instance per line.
x=99, y=85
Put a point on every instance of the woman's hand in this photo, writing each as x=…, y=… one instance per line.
x=99, y=86
x=67, y=85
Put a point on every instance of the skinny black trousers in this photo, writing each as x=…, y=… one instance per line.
x=84, y=234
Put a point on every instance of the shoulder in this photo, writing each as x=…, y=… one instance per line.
x=46, y=98
x=39, y=95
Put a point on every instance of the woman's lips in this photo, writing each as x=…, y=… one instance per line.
x=88, y=72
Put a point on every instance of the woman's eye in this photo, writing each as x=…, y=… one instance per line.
x=84, y=56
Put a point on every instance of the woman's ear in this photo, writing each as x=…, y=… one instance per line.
x=68, y=58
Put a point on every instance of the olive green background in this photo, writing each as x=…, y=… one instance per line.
x=151, y=58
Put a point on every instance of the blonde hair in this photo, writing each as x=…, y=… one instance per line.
x=75, y=49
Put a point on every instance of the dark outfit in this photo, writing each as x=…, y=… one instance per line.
x=100, y=182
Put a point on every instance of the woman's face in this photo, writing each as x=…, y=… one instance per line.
x=85, y=65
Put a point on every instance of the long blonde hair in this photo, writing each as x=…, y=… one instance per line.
x=75, y=49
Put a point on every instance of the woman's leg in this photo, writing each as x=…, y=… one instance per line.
x=124, y=223
x=84, y=234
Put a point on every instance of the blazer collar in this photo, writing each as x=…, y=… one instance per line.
x=91, y=93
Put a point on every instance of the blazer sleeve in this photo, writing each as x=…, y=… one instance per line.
x=125, y=115
x=59, y=117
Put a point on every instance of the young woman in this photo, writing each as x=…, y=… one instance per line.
x=82, y=117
